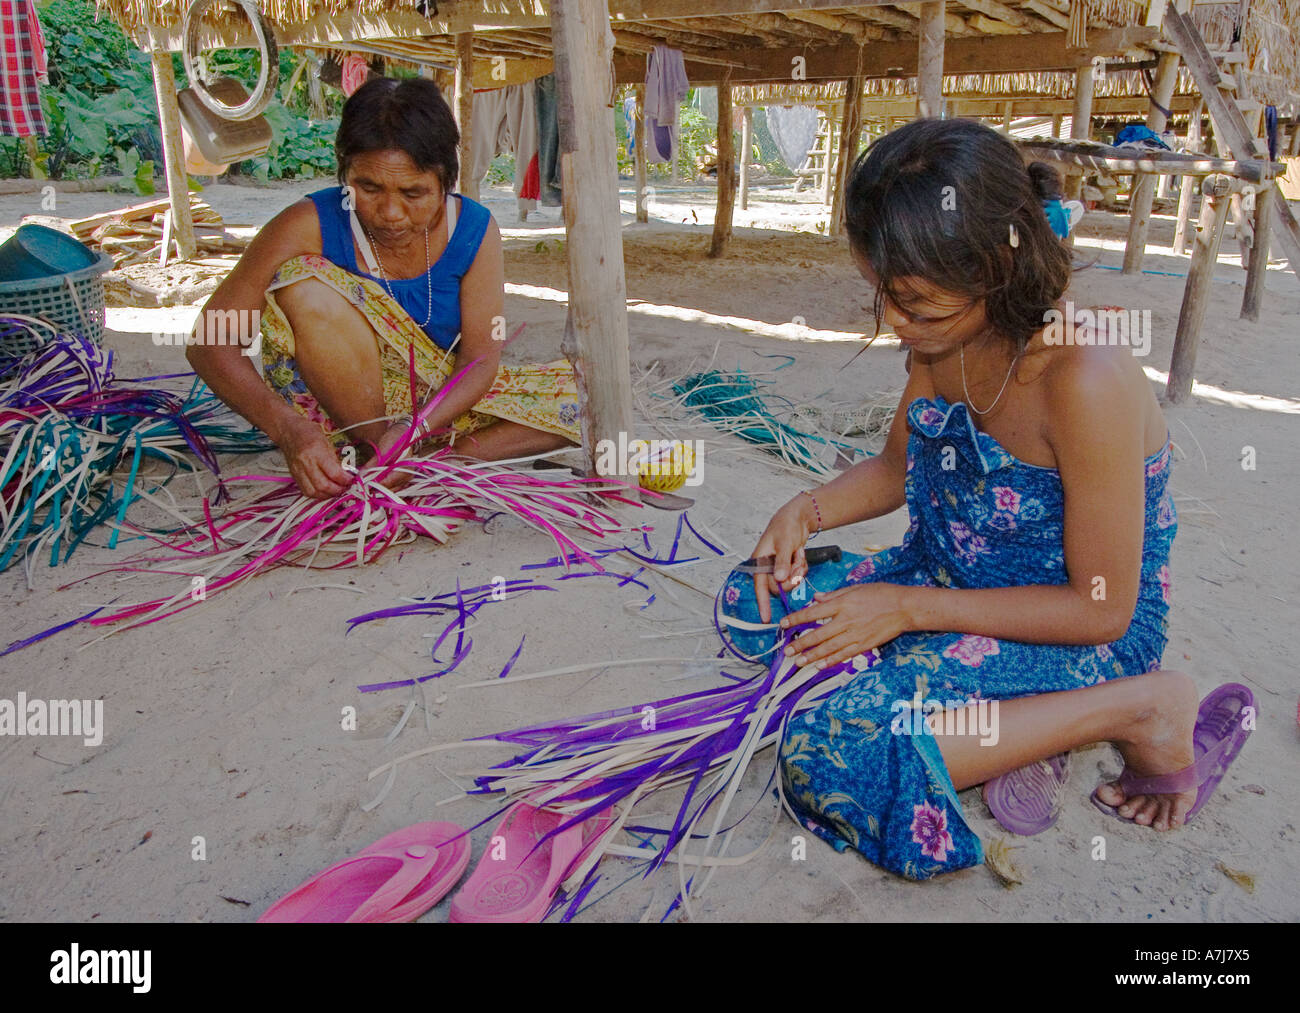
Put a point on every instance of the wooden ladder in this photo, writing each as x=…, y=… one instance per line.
x=1230, y=128
x=819, y=163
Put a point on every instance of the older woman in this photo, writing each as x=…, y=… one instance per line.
x=364, y=290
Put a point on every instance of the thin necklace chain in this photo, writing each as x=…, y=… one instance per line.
x=428, y=272
x=971, y=404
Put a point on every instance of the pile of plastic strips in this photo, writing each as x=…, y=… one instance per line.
x=73, y=439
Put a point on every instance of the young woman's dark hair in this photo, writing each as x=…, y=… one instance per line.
x=938, y=200
x=385, y=114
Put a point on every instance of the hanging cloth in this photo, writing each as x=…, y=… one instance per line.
x=666, y=88
x=20, y=93
x=794, y=128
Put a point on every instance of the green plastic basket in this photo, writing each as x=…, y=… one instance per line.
x=72, y=302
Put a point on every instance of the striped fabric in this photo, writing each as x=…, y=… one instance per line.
x=22, y=49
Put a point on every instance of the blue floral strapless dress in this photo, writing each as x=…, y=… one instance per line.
x=980, y=518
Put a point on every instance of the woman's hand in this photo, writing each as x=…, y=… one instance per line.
x=853, y=620
x=784, y=538
x=312, y=460
x=393, y=435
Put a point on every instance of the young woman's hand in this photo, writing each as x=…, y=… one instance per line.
x=784, y=537
x=853, y=620
x=312, y=460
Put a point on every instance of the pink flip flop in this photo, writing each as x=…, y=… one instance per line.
x=1027, y=800
x=516, y=879
x=1219, y=736
x=396, y=879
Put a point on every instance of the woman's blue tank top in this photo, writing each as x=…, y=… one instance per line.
x=411, y=293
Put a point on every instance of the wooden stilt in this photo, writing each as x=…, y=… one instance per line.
x=1187, y=187
x=178, y=183
x=929, y=80
x=722, y=219
x=1257, y=267
x=1057, y=120
x=1080, y=122
x=850, y=134
x=1006, y=116
x=595, y=332
x=1196, y=295
x=470, y=173
x=638, y=137
x=746, y=144
x=1144, y=186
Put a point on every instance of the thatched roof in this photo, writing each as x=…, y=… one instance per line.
x=518, y=30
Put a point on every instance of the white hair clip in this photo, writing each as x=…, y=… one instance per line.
x=1015, y=236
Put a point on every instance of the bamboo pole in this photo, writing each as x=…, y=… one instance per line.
x=1196, y=295
x=638, y=143
x=722, y=219
x=470, y=173
x=178, y=183
x=746, y=144
x=1144, y=187
x=1080, y=122
x=1186, y=188
x=929, y=82
x=595, y=331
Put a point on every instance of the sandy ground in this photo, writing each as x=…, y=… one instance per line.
x=224, y=723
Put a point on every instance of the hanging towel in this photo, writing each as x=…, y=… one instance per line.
x=666, y=88
x=20, y=94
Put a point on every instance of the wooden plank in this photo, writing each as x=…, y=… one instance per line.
x=1196, y=294
x=595, y=330
x=929, y=83
x=881, y=106
x=722, y=219
x=464, y=99
x=1105, y=158
x=974, y=55
x=178, y=182
x=1000, y=11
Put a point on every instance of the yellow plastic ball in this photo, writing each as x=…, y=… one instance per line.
x=666, y=470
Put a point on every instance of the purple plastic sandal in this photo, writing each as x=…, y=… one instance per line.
x=1027, y=800
x=1219, y=736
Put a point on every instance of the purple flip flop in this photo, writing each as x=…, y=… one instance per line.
x=1026, y=801
x=1219, y=736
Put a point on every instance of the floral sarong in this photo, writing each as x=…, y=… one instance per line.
x=858, y=768
x=540, y=395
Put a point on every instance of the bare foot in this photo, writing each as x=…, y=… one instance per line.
x=1158, y=742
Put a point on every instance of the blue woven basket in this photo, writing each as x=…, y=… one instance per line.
x=72, y=302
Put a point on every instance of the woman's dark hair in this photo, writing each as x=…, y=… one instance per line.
x=385, y=114
x=938, y=199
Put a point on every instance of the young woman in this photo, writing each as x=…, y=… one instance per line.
x=363, y=284
x=1035, y=570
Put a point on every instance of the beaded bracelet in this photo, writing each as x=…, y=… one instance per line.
x=805, y=492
